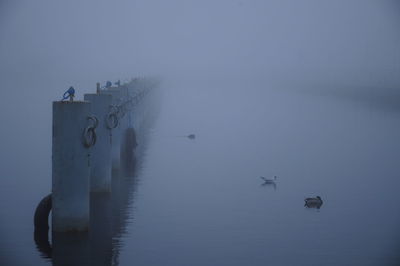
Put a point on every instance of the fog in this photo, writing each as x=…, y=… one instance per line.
x=306, y=90
x=332, y=41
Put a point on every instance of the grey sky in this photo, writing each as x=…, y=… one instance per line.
x=90, y=40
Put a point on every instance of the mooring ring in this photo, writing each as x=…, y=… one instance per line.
x=112, y=120
x=89, y=134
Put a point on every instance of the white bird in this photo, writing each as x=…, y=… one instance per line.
x=269, y=182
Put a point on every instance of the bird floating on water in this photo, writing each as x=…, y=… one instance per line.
x=313, y=202
x=269, y=180
x=191, y=136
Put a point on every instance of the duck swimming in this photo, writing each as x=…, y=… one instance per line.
x=313, y=202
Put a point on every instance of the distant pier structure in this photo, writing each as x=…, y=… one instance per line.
x=90, y=140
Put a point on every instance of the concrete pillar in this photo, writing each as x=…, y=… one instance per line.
x=100, y=155
x=124, y=92
x=70, y=167
x=138, y=112
x=117, y=132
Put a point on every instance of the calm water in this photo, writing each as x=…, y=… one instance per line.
x=201, y=202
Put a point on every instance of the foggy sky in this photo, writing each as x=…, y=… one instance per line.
x=48, y=45
x=356, y=40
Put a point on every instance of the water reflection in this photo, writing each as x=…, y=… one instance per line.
x=110, y=213
x=128, y=152
x=71, y=248
x=357, y=146
x=42, y=242
x=41, y=223
x=109, y=217
x=100, y=233
x=75, y=248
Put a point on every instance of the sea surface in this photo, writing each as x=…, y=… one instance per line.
x=202, y=202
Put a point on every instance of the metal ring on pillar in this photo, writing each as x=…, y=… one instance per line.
x=89, y=137
x=112, y=120
x=89, y=134
x=95, y=120
x=121, y=111
x=113, y=109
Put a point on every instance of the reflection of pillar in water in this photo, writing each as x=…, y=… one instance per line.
x=70, y=249
x=128, y=147
x=120, y=213
x=100, y=229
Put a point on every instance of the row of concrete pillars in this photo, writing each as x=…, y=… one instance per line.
x=86, y=148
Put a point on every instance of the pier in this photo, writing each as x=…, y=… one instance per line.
x=93, y=141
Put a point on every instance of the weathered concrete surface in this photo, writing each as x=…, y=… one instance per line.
x=70, y=167
x=100, y=155
x=116, y=132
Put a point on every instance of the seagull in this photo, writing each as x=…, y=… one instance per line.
x=269, y=180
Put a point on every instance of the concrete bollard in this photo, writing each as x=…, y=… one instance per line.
x=70, y=166
x=100, y=155
x=124, y=93
x=117, y=132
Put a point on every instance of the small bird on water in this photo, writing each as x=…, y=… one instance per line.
x=269, y=180
x=313, y=202
x=191, y=136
